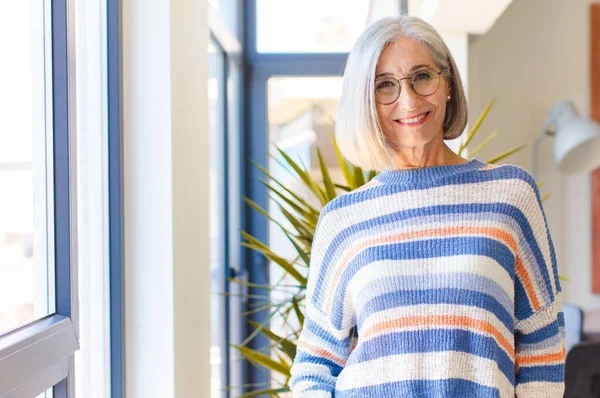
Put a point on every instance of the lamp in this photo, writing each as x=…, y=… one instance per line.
x=576, y=140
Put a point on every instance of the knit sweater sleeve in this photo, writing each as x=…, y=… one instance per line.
x=324, y=342
x=539, y=327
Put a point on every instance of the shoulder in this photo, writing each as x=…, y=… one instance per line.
x=514, y=177
x=346, y=200
x=524, y=191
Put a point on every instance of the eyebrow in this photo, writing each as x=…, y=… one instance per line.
x=415, y=67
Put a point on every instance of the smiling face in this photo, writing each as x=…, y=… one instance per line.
x=402, y=59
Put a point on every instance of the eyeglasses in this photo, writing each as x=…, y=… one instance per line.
x=424, y=82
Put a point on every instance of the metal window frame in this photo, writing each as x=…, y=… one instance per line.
x=39, y=355
x=115, y=200
x=262, y=67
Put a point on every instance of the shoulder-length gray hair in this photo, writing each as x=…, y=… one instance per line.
x=357, y=131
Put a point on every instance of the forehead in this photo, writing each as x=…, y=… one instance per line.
x=400, y=56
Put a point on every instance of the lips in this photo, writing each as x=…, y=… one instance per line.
x=413, y=120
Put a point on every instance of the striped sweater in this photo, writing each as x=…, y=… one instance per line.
x=433, y=282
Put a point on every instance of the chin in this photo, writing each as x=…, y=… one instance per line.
x=405, y=140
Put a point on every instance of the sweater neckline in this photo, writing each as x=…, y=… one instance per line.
x=426, y=174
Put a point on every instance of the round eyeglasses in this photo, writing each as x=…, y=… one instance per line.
x=424, y=82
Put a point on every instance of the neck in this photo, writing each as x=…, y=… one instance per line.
x=415, y=160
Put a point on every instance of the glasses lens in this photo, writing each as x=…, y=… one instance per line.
x=386, y=90
x=426, y=82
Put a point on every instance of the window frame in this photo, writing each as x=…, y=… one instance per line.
x=40, y=355
x=229, y=44
x=115, y=200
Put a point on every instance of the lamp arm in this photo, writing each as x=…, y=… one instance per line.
x=536, y=144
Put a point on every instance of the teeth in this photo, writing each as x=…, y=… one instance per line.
x=413, y=120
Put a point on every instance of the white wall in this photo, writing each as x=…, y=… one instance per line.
x=536, y=54
x=166, y=202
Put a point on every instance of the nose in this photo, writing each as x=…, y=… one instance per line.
x=407, y=99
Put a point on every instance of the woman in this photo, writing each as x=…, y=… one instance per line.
x=438, y=278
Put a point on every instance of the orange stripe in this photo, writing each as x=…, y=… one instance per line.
x=522, y=272
x=321, y=352
x=556, y=357
x=440, y=320
x=426, y=233
x=488, y=167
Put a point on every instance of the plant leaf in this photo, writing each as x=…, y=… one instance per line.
x=476, y=126
x=269, y=391
x=483, y=144
x=296, y=197
x=305, y=257
x=505, y=154
x=264, y=360
x=256, y=207
x=287, y=346
x=359, y=177
x=341, y=160
x=255, y=244
x=297, y=310
x=329, y=187
x=304, y=175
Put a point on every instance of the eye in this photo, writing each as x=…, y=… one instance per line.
x=385, y=84
x=422, y=76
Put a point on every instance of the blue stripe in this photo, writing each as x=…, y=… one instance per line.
x=499, y=174
x=320, y=382
x=523, y=308
x=306, y=357
x=422, y=388
x=552, y=373
x=439, y=296
x=404, y=215
x=324, y=335
x=434, y=340
x=455, y=280
x=539, y=335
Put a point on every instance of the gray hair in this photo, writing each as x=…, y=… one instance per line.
x=358, y=132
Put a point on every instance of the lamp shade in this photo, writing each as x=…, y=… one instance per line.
x=576, y=141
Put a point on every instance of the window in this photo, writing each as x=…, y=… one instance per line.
x=26, y=264
x=316, y=25
x=227, y=11
x=217, y=208
x=224, y=98
x=38, y=318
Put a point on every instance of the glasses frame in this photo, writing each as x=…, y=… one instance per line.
x=411, y=85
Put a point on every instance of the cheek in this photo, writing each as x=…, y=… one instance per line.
x=382, y=114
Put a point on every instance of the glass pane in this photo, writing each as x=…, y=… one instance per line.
x=317, y=25
x=301, y=112
x=47, y=394
x=228, y=11
x=24, y=140
x=217, y=203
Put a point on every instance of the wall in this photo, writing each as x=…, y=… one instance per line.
x=166, y=201
x=536, y=54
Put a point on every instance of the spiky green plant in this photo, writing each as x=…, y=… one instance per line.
x=303, y=218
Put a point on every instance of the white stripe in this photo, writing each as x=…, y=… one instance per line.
x=477, y=265
x=425, y=366
x=540, y=389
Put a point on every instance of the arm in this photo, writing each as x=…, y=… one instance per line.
x=539, y=327
x=323, y=347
